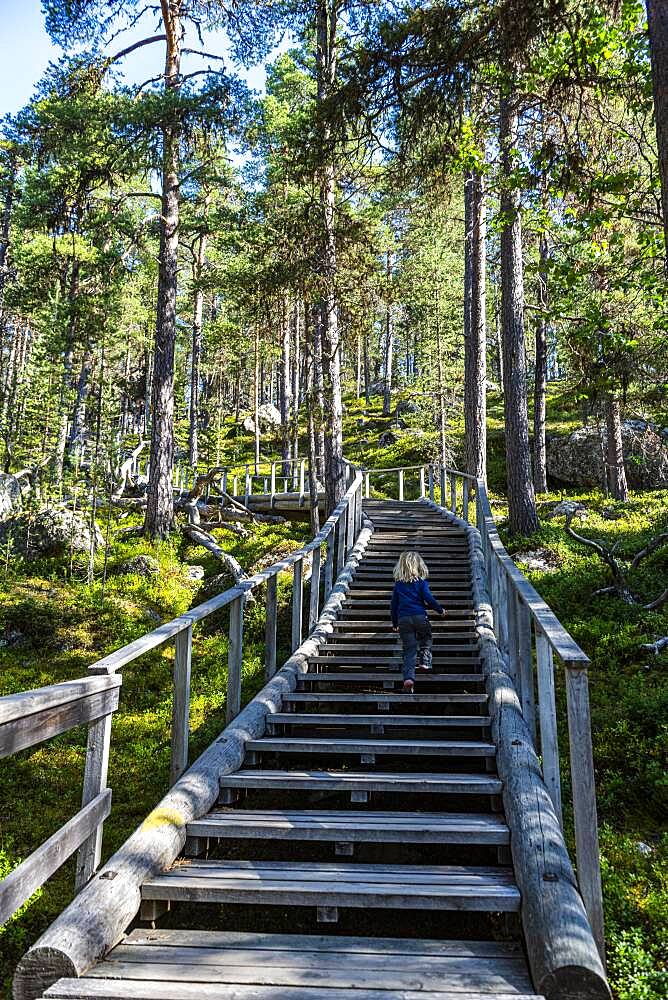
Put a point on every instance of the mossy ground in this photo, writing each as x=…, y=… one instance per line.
x=68, y=625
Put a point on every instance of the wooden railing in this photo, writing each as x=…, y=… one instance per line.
x=529, y=636
x=33, y=716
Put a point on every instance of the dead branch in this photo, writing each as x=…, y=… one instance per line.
x=658, y=646
x=125, y=471
x=653, y=544
x=657, y=602
x=207, y=541
x=607, y=555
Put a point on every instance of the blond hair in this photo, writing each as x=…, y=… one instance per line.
x=410, y=567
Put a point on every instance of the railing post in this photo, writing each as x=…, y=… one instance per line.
x=453, y=493
x=584, y=799
x=314, y=595
x=350, y=525
x=270, y=628
x=466, y=486
x=442, y=478
x=235, y=658
x=235, y=486
x=247, y=487
x=297, y=602
x=358, y=510
x=302, y=472
x=513, y=644
x=341, y=541
x=422, y=480
x=273, y=482
x=367, y=484
x=329, y=566
x=223, y=482
x=431, y=483
x=525, y=664
x=183, y=645
x=94, y=782
x=547, y=708
x=401, y=484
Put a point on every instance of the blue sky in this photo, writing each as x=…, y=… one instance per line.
x=26, y=50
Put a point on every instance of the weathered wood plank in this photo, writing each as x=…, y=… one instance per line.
x=417, y=783
x=408, y=747
x=235, y=659
x=102, y=989
x=181, y=704
x=18, y=706
x=270, y=628
x=21, y=733
x=26, y=878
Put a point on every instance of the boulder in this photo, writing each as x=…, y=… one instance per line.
x=194, y=572
x=386, y=439
x=567, y=508
x=376, y=388
x=579, y=458
x=268, y=416
x=407, y=406
x=54, y=531
x=536, y=559
x=141, y=566
x=10, y=495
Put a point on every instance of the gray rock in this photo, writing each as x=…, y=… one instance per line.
x=218, y=583
x=566, y=508
x=579, y=458
x=644, y=849
x=386, y=439
x=141, y=566
x=13, y=638
x=407, y=406
x=268, y=415
x=376, y=388
x=536, y=559
x=194, y=572
x=10, y=495
x=54, y=531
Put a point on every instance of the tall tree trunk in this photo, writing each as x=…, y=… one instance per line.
x=318, y=395
x=5, y=224
x=388, y=353
x=540, y=378
x=311, y=430
x=285, y=389
x=76, y=438
x=58, y=458
x=521, y=497
x=256, y=400
x=657, y=19
x=196, y=347
x=326, y=64
x=296, y=388
x=441, y=392
x=160, y=496
x=475, y=327
x=616, y=474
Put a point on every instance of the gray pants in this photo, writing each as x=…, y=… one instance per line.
x=415, y=632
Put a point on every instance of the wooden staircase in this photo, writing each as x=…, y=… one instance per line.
x=361, y=806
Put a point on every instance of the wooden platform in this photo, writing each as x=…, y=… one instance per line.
x=358, y=798
x=209, y=965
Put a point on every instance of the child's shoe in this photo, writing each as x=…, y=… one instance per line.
x=425, y=661
x=408, y=687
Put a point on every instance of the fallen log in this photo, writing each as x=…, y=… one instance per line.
x=207, y=541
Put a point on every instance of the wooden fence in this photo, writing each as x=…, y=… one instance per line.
x=32, y=717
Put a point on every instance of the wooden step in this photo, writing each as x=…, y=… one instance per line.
x=347, y=826
x=457, y=621
x=349, y=720
x=353, y=659
x=391, y=676
x=381, y=699
x=213, y=965
x=439, y=649
x=377, y=747
x=369, y=604
x=286, y=883
x=350, y=781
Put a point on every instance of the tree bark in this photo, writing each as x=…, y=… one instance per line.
x=443, y=447
x=657, y=20
x=75, y=442
x=521, y=497
x=196, y=347
x=540, y=377
x=8, y=203
x=475, y=327
x=388, y=353
x=285, y=393
x=318, y=394
x=58, y=458
x=616, y=474
x=160, y=497
x=326, y=65
x=256, y=400
x=295, y=378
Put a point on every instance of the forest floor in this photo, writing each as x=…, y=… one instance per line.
x=53, y=625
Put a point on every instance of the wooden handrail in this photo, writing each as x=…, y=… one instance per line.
x=31, y=717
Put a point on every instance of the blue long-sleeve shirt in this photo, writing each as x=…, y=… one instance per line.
x=412, y=599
